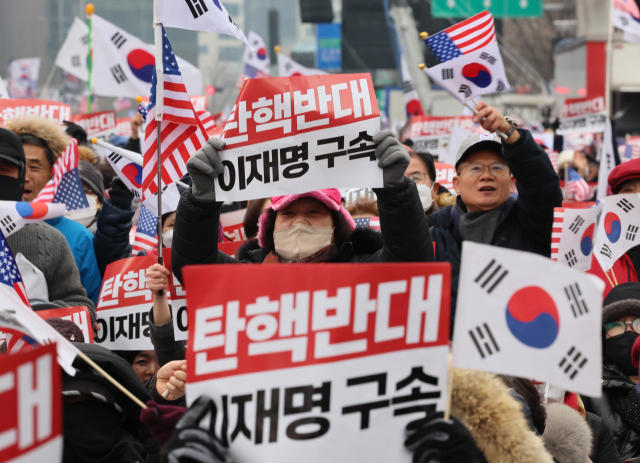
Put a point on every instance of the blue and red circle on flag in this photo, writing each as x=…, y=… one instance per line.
x=532, y=317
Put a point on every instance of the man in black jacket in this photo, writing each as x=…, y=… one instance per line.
x=489, y=170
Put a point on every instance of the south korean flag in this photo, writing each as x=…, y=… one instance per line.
x=523, y=315
x=618, y=229
x=573, y=235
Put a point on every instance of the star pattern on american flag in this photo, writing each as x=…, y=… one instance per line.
x=70, y=191
x=148, y=223
x=9, y=273
x=170, y=67
x=443, y=47
x=143, y=111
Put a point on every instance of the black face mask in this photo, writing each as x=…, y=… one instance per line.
x=11, y=189
x=618, y=350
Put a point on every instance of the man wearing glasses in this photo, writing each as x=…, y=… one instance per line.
x=488, y=171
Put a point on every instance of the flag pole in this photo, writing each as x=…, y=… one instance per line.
x=157, y=34
x=277, y=50
x=607, y=86
x=89, y=9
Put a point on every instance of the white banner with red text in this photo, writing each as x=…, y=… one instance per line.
x=580, y=115
x=102, y=124
x=431, y=134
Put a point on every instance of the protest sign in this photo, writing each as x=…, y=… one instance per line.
x=31, y=425
x=199, y=102
x=522, y=314
x=178, y=300
x=431, y=134
x=582, y=115
x=295, y=134
x=10, y=109
x=124, y=304
x=97, y=125
x=22, y=77
x=444, y=175
x=340, y=351
x=123, y=126
x=78, y=315
x=233, y=225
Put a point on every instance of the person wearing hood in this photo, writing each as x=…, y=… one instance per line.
x=619, y=405
x=44, y=141
x=42, y=245
x=488, y=171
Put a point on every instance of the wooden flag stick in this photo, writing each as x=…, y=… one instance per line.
x=610, y=282
x=447, y=407
x=615, y=280
x=109, y=378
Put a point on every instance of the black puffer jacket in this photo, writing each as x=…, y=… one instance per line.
x=615, y=385
x=404, y=227
x=111, y=240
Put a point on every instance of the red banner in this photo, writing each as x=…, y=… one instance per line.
x=429, y=126
x=10, y=109
x=30, y=390
x=573, y=107
x=445, y=174
x=233, y=225
x=78, y=315
x=100, y=124
x=124, y=126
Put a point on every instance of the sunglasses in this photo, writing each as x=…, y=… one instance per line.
x=618, y=327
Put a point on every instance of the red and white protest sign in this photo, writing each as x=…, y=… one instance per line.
x=233, y=224
x=431, y=134
x=123, y=126
x=582, y=115
x=329, y=353
x=97, y=125
x=10, y=109
x=78, y=315
x=124, y=304
x=445, y=174
x=293, y=134
x=199, y=102
x=30, y=391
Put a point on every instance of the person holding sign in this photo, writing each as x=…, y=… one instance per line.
x=306, y=227
x=488, y=171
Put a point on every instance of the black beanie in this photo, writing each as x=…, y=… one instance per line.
x=622, y=300
x=11, y=150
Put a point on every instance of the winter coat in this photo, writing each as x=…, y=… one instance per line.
x=404, y=229
x=80, y=242
x=495, y=419
x=567, y=436
x=615, y=384
x=526, y=221
x=604, y=444
x=111, y=241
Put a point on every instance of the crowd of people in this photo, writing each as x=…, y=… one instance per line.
x=506, y=190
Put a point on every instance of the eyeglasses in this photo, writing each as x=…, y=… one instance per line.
x=418, y=177
x=618, y=327
x=497, y=170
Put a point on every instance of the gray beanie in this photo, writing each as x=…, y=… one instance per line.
x=92, y=178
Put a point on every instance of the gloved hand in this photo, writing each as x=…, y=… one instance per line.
x=190, y=443
x=432, y=439
x=204, y=167
x=161, y=419
x=120, y=195
x=393, y=158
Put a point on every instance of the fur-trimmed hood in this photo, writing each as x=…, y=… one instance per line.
x=567, y=435
x=622, y=300
x=52, y=133
x=482, y=402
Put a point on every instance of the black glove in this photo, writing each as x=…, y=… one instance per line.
x=434, y=440
x=120, y=195
x=190, y=443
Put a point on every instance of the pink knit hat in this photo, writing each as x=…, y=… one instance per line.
x=330, y=197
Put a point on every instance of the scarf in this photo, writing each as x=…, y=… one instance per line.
x=478, y=226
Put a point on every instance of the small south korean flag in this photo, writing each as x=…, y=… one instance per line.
x=572, y=236
x=524, y=315
x=618, y=229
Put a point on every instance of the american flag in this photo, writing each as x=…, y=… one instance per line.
x=250, y=72
x=142, y=109
x=206, y=119
x=631, y=151
x=553, y=157
x=147, y=232
x=372, y=223
x=10, y=277
x=578, y=186
x=18, y=336
x=182, y=131
x=65, y=187
x=556, y=231
x=462, y=38
x=628, y=6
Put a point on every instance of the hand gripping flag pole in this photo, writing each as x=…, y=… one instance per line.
x=157, y=29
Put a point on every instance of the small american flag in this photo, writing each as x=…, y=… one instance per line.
x=182, y=131
x=10, y=278
x=142, y=109
x=631, y=151
x=250, y=72
x=65, y=187
x=206, y=119
x=556, y=231
x=464, y=37
x=553, y=157
x=578, y=186
x=372, y=223
x=628, y=6
x=147, y=232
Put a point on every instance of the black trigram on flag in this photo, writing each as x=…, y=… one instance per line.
x=484, y=341
x=75, y=61
x=571, y=258
x=118, y=39
x=574, y=296
x=466, y=90
x=115, y=158
x=447, y=73
x=573, y=362
x=625, y=205
x=631, y=232
x=7, y=224
x=486, y=56
x=606, y=251
x=85, y=39
x=501, y=86
x=577, y=223
x=118, y=74
x=491, y=276
x=197, y=7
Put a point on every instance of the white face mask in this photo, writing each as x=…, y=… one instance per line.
x=300, y=241
x=167, y=238
x=425, y=196
x=86, y=216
